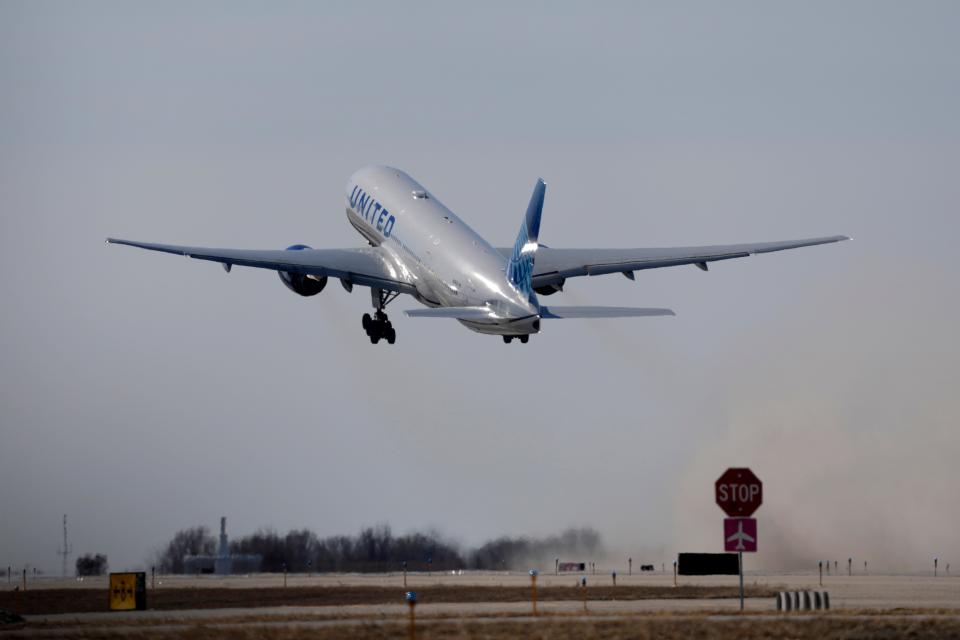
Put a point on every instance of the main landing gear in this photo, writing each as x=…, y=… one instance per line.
x=379, y=327
x=523, y=339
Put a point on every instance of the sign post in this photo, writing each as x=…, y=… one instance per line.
x=740, y=562
x=739, y=493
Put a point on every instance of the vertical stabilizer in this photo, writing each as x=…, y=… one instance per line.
x=520, y=264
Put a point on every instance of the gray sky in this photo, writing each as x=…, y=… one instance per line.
x=141, y=393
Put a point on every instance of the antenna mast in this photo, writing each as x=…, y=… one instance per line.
x=65, y=551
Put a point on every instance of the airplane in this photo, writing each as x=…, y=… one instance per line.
x=419, y=247
x=740, y=537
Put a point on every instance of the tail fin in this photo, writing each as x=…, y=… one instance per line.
x=520, y=264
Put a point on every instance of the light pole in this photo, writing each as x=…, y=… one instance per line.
x=411, y=597
x=533, y=590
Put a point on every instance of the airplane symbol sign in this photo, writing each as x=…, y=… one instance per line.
x=740, y=534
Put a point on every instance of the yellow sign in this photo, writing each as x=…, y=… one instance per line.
x=123, y=591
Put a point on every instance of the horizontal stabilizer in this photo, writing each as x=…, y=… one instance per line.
x=602, y=312
x=459, y=313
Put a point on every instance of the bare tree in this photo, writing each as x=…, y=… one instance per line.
x=92, y=565
x=186, y=542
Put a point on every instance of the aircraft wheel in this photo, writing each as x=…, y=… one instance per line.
x=507, y=339
x=524, y=339
x=366, y=322
x=391, y=336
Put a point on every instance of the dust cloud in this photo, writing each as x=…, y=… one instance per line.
x=855, y=434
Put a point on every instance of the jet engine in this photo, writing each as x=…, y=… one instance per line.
x=550, y=289
x=299, y=283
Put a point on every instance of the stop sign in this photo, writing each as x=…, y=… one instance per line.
x=739, y=492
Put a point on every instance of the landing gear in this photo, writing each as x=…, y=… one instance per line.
x=523, y=339
x=379, y=327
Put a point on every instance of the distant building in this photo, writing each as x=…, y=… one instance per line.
x=222, y=564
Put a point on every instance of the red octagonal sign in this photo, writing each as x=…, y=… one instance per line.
x=739, y=492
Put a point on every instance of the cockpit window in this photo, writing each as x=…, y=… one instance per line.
x=420, y=195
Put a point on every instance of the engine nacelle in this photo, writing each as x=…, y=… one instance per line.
x=550, y=289
x=299, y=283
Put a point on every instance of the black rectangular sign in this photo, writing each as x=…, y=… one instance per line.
x=708, y=564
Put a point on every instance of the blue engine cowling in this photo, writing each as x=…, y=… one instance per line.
x=299, y=283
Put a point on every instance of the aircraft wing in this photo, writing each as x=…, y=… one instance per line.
x=553, y=266
x=364, y=266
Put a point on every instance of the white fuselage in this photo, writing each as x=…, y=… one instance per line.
x=450, y=264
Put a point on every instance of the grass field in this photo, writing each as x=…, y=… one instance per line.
x=488, y=605
x=823, y=627
x=53, y=601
